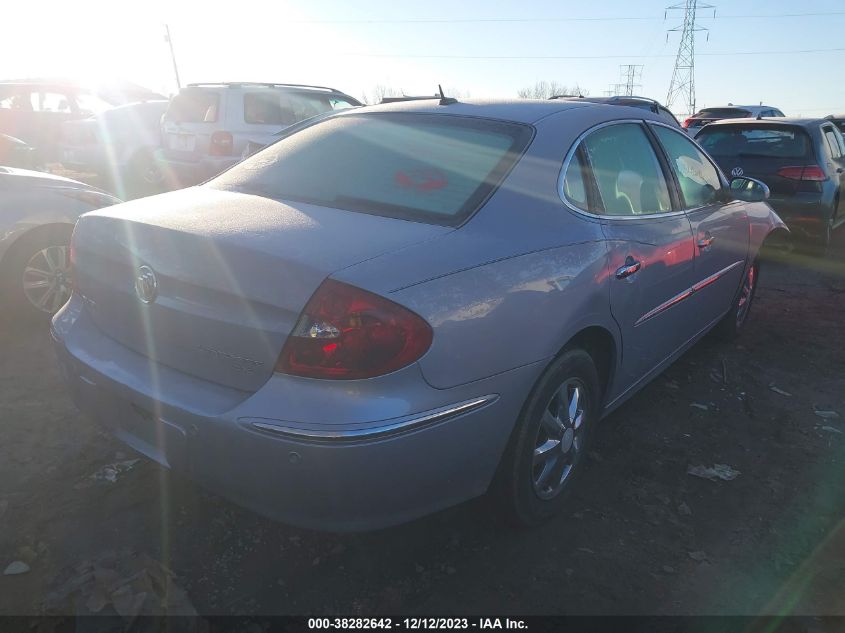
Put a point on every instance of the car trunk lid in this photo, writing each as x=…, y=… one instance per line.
x=224, y=275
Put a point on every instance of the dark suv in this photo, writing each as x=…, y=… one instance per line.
x=635, y=102
x=801, y=160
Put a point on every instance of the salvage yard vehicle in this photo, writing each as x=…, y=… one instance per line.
x=37, y=214
x=34, y=111
x=801, y=160
x=208, y=126
x=118, y=144
x=731, y=111
x=399, y=307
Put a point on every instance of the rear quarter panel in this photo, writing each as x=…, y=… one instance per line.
x=762, y=222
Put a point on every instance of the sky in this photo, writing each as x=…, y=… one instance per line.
x=474, y=48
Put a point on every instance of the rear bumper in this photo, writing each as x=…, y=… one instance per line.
x=307, y=452
x=184, y=173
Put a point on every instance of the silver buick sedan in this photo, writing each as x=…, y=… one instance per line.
x=398, y=308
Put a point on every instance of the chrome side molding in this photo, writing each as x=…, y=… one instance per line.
x=394, y=426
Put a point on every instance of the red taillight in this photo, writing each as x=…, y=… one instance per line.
x=221, y=144
x=686, y=122
x=803, y=172
x=345, y=333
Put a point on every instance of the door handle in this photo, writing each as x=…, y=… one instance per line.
x=706, y=241
x=628, y=268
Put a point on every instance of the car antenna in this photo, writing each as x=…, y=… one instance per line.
x=444, y=100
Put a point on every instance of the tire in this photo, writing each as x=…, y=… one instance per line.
x=822, y=246
x=733, y=323
x=144, y=175
x=534, y=491
x=35, y=271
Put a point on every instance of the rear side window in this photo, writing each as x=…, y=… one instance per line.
x=194, y=105
x=575, y=181
x=15, y=98
x=698, y=178
x=428, y=168
x=752, y=140
x=286, y=108
x=626, y=171
x=833, y=142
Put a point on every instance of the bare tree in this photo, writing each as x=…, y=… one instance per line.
x=379, y=92
x=545, y=89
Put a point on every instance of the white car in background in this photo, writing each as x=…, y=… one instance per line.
x=208, y=126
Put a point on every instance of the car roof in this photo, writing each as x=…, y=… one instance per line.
x=739, y=106
x=258, y=84
x=516, y=110
x=787, y=121
x=614, y=100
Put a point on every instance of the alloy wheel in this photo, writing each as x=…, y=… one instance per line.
x=46, y=279
x=560, y=439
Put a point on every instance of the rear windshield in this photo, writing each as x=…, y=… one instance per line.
x=285, y=108
x=194, y=105
x=723, y=113
x=780, y=142
x=428, y=168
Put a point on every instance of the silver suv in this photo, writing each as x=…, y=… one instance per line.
x=208, y=126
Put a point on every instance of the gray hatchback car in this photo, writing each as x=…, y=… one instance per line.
x=397, y=308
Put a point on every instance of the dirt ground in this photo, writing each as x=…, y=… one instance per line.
x=640, y=536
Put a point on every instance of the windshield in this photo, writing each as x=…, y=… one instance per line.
x=286, y=108
x=194, y=105
x=430, y=168
x=780, y=142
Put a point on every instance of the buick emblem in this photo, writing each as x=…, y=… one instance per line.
x=146, y=285
x=737, y=172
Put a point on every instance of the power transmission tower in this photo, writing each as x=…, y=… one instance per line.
x=683, y=77
x=169, y=41
x=629, y=74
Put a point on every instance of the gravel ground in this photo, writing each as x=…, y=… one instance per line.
x=640, y=536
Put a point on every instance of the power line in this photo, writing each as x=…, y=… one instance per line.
x=568, y=19
x=553, y=57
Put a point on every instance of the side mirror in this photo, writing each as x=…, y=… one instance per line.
x=749, y=190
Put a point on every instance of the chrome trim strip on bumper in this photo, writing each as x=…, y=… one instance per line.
x=686, y=294
x=391, y=427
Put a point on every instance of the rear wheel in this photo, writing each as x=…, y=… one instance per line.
x=734, y=321
x=551, y=439
x=36, y=272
